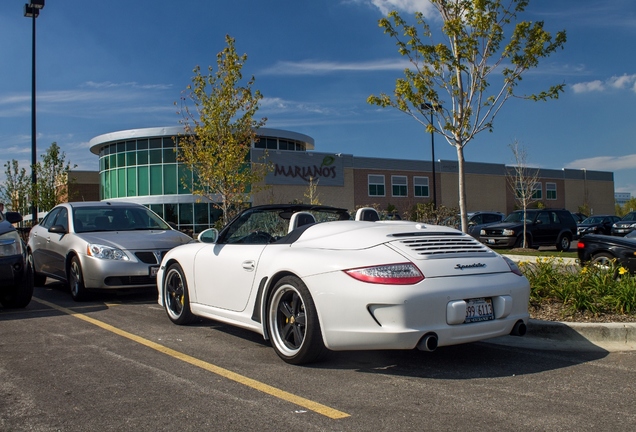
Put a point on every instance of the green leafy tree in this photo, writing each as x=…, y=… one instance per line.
x=53, y=178
x=15, y=192
x=218, y=117
x=466, y=81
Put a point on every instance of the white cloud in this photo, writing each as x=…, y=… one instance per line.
x=623, y=81
x=587, y=87
x=616, y=82
x=605, y=163
x=309, y=67
x=410, y=6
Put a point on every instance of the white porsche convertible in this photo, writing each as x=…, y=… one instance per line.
x=309, y=279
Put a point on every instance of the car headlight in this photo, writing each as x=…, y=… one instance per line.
x=10, y=244
x=482, y=232
x=106, y=252
x=508, y=232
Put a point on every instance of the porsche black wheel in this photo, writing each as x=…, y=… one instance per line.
x=175, y=296
x=293, y=322
x=76, y=280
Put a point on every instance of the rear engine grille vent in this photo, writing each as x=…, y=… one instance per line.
x=445, y=245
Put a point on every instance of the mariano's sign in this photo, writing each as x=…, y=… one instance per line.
x=297, y=168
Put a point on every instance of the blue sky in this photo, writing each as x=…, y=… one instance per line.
x=114, y=65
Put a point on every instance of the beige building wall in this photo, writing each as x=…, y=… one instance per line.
x=483, y=192
x=598, y=195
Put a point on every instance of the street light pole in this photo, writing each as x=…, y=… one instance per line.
x=32, y=10
x=430, y=107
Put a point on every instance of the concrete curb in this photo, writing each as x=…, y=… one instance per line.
x=611, y=335
x=559, y=336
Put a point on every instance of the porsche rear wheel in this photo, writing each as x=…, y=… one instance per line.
x=176, y=300
x=293, y=322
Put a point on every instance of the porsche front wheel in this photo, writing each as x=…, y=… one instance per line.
x=293, y=322
x=175, y=296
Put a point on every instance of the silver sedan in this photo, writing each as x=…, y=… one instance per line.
x=100, y=245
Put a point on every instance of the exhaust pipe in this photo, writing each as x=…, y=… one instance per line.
x=428, y=342
x=519, y=329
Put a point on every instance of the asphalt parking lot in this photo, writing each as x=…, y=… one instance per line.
x=118, y=363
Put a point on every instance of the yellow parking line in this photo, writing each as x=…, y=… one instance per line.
x=249, y=382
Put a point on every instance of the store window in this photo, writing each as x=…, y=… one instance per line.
x=420, y=187
x=551, y=191
x=376, y=185
x=399, y=186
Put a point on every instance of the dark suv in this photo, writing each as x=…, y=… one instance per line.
x=16, y=276
x=544, y=227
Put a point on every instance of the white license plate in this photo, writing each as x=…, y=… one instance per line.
x=479, y=309
x=491, y=241
x=153, y=271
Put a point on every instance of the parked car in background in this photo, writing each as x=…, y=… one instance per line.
x=544, y=227
x=579, y=217
x=476, y=221
x=626, y=225
x=16, y=277
x=309, y=279
x=101, y=245
x=608, y=251
x=601, y=224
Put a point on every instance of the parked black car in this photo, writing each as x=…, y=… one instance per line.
x=579, y=217
x=16, y=275
x=544, y=227
x=604, y=249
x=626, y=225
x=476, y=221
x=601, y=224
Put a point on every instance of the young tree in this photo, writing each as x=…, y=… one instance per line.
x=523, y=181
x=53, y=178
x=219, y=131
x=16, y=191
x=465, y=82
x=312, y=191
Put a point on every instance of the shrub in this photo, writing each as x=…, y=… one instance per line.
x=593, y=289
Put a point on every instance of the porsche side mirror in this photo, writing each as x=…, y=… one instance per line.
x=209, y=235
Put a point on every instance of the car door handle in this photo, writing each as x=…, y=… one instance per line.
x=248, y=265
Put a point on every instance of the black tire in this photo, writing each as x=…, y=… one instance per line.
x=519, y=242
x=604, y=260
x=293, y=324
x=19, y=296
x=176, y=300
x=76, y=280
x=38, y=278
x=563, y=245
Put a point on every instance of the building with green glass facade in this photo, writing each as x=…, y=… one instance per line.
x=141, y=165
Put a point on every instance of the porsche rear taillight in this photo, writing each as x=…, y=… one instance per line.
x=389, y=274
